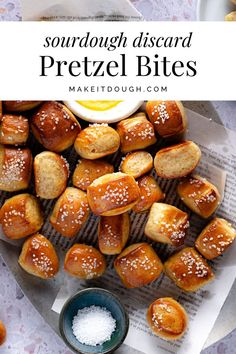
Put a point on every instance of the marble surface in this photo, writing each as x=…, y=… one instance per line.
x=167, y=10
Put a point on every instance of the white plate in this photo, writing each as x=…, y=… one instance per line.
x=123, y=110
x=212, y=10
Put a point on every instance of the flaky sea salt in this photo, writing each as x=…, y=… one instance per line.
x=93, y=325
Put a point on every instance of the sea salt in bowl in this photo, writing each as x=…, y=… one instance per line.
x=94, y=297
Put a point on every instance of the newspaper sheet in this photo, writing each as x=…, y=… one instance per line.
x=79, y=10
x=218, y=165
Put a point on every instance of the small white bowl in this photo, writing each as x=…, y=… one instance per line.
x=122, y=110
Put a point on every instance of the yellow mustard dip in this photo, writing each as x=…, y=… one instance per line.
x=99, y=105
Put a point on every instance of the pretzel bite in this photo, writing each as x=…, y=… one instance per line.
x=113, y=194
x=96, y=141
x=177, y=160
x=136, y=133
x=38, y=257
x=167, y=318
x=70, y=212
x=138, y=265
x=51, y=173
x=54, y=126
x=168, y=117
x=87, y=171
x=201, y=196
x=0, y=110
x=137, y=163
x=3, y=333
x=188, y=269
x=15, y=168
x=84, y=262
x=113, y=233
x=21, y=216
x=215, y=238
x=20, y=106
x=150, y=192
x=14, y=130
x=167, y=224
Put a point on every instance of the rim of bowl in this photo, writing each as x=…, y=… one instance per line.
x=102, y=116
x=199, y=10
x=76, y=350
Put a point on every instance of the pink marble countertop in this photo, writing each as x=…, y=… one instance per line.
x=167, y=10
